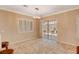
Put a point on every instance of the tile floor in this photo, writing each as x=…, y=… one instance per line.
x=38, y=46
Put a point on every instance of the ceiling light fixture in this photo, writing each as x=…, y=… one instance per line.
x=36, y=17
x=25, y=5
x=36, y=11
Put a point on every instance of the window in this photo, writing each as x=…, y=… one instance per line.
x=25, y=25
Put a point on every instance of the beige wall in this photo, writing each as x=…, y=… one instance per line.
x=67, y=27
x=9, y=30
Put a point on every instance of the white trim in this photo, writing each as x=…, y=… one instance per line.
x=15, y=11
x=42, y=16
x=68, y=43
x=71, y=9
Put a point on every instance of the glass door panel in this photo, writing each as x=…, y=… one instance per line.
x=49, y=29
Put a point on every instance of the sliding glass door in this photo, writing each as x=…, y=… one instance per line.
x=49, y=29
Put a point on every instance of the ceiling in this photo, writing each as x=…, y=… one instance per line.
x=37, y=10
